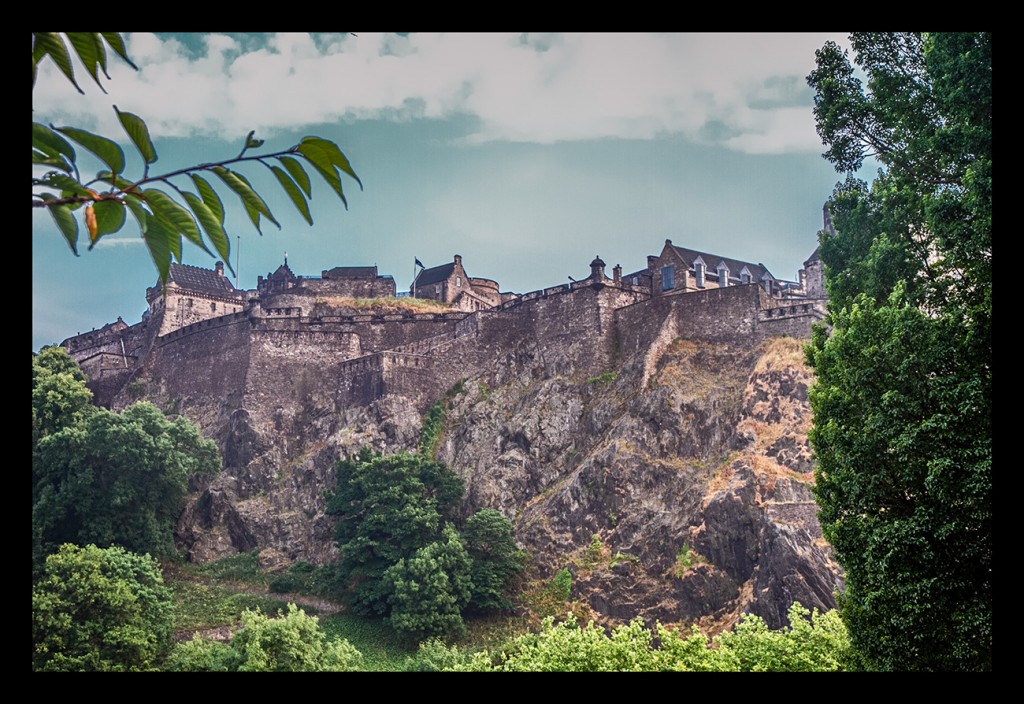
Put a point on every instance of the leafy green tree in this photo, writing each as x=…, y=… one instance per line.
x=60, y=398
x=291, y=642
x=99, y=609
x=497, y=560
x=163, y=218
x=118, y=479
x=902, y=405
x=430, y=589
x=387, y=508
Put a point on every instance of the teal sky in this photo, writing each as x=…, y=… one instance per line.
x=526, y=154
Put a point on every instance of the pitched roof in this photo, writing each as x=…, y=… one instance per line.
x=435, y=274
x=199, y=279
x=712, y=260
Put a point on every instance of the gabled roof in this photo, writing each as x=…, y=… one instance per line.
x=712, y=261
x=351, y=272
x=435, y=274
x=199, y=279
x=814, y=257
x=282, y=272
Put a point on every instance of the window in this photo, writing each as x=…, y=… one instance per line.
x=698, y=267
x=668, y=276
x=213, y=307
x=745, y=276
x=723, y=277
x=636, y=280
x=458, y=281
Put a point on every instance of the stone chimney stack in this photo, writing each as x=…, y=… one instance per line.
x=458, y=259
x=617, y=273
x=219, y=266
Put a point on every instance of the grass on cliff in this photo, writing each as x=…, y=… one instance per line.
x=384, y=305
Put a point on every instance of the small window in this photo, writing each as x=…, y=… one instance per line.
x=699, y=270
x=213, y=307
x=458, y=281
x=636, y=280
x=745, y=277
x=437, y=289
x=723, y=277
x=668, y=276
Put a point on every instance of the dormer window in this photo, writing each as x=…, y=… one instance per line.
x=745, y=275
x=698, y=269
x=723, y=276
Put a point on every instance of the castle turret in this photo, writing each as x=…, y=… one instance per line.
x=597, y=269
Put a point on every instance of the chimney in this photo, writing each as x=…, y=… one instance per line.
x=219, y=266
x=652, y=261
x=617, y=273
x=458, y=259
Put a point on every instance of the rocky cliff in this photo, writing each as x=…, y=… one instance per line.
x=670, y=474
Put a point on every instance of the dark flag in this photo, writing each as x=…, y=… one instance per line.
x=419, y=264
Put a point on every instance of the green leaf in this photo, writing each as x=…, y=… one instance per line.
x=110, y=216
x=141, y=215
x=55, y=160
x=91, y=53
x=160, y=242
x=107, y=150
x=65, y=221
x=335, y=155
x=115, y=181
x=174, y=216
x=321, y=161
x=297, y=173
x=117, y=44
x=251, y=142
x=66, y=184
x=46, y=140
x=136, y=128
x=209, y=196
x=250, y=198
x=50, y=43
x=211, y=224
x=293, y=191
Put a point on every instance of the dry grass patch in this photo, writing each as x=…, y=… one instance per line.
x=384, y=305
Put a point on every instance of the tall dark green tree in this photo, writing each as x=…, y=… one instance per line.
x=60, y=398
x=496, y=558
x=902, y=405
x=387, y=508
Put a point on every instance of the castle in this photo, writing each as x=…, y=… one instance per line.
x=199, y=315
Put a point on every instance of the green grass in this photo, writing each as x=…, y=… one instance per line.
x=200, y=606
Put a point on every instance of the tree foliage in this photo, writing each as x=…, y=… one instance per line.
x=100, y=609
x=178, y=204
x=814, y=642
x=902, y=404
x=60, y=398
x=401, y=555
x=116, y=479
x=290, y=642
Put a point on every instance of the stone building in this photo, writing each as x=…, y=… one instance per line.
x=192, y=294
x=449, y=283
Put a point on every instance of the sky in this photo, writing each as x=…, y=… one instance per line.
x=526, y=154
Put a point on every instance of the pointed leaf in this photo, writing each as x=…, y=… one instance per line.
x=211, y=224
x=160, y=243
x=136, y=128
x=55, y=160
x=117, y=44
x=51, y=44
x=90, y=52
x=293, y=191
x=107, y=150
x=250, y=198
x=122, y=184
x=321, y=161
x=110, y=216
x=174, y=216
x=141, y=215
x=65, y=221
x=254, y=209
x=209, y=196
x=45, y=139
x=66, y=184
x=297, y=173
x=336, y=156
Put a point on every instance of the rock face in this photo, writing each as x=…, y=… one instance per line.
x=668, y=471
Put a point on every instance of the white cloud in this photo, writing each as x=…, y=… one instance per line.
x=538, y=88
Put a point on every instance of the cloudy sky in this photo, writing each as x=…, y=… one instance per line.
x=528, y=154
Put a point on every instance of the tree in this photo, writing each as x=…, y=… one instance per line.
x=291, y=642
x=496, y=558
x=60, y=398
x=387, y=508
x=100, y=609
x=163, y=219
x=902, y=403
x=430, y=589
x=116, y=479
